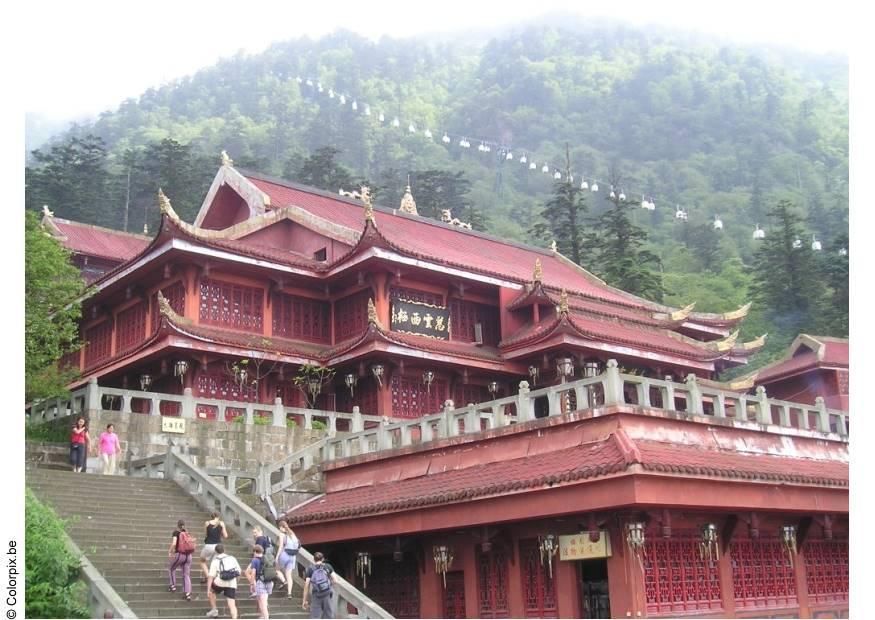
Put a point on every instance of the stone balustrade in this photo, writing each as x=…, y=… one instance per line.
x=241, y=519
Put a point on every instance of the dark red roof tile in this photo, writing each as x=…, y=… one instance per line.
x=91, y=240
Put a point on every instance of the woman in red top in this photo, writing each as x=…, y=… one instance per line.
x=79, y=440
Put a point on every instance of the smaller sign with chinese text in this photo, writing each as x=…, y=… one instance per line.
x=172, y=425
x=422, y=319
x=580, y=547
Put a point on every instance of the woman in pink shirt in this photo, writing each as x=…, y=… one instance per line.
x=109, y=447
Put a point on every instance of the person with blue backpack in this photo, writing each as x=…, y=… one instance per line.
x=319, y=588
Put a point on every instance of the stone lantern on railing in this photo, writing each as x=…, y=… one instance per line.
x=564, y=368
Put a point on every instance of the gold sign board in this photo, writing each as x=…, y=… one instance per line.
x=580, y=547
x=172, y=425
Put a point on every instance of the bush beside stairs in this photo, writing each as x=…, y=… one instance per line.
x=124, y=525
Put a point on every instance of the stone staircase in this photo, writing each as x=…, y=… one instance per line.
x=124, y=524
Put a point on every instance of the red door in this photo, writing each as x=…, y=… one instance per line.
x=539, y=594
x=492, y=579
x=454, y=595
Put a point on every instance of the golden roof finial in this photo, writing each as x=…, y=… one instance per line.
x=683, y=313
x=563, y=302
x=553, y=247
x=737, y=314
x=365, y=196
x=226, y=160
x=372, y=313
x=164, y=305
x=145, y=229
x=538, y=274
x=408, y=205
x=165, y=207
x=727, y=343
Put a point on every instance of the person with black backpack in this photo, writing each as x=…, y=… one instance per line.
x=318, y=588
x=180, y=552
x=261, y=572
x=222, y=579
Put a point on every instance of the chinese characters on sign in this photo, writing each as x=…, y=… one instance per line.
x=172, y=425
x=419, y=318
x=580, y=547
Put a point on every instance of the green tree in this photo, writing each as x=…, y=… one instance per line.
x=51, y=285
x=618, y=253
x=563, y=219
x=322, y=170
x=787, y=279
x=836, y=269
x=436, y=190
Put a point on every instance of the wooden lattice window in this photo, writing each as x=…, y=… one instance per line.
x=412, y=399
x=98, y=343
x=395, y=585
x=676, y=577
x=410, y=294
x=351, y=314
x=761, y=574
x=464, y=315
x=175, y=295
x=464, y=394
x=69, y=360
x=221, y=386
x=454, y=595
x=231, y=305
x=492, y=584
x=301, y=318
x=130, y=327
x=826, y=566
x=365, y=396
x=539, y=592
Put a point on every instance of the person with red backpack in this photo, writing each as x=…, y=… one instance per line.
x=180, y=552
x=318, y=588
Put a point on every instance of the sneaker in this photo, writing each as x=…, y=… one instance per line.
x=213, y=613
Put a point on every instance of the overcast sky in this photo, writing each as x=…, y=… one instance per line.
x=84, y=57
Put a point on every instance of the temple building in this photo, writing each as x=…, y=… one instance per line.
x=612, y=475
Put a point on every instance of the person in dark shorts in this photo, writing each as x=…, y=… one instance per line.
x=216, y=584
x=319, y=588
x=215, y=533
x=79, y=440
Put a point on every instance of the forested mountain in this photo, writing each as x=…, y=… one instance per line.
x=718, y=130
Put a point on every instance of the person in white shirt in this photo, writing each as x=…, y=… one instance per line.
x=216, y=585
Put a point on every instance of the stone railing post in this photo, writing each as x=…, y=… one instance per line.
x=249, y=414
x=822, y=414
x=187, y=409
x=384, y=440
x=472, y=420
x=279, y=413
x=358, y=422
x=553, y=405
x=126, y=402
x=613, y=384
x=154, y=406
x=694, y=396
x=669, y=394
x=92, y=397
x=332, y=424
x=720, y=405
x=450, y=427
x=525, y=408
x=764, y=409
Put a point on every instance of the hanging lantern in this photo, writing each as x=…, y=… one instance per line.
x=396, y=122
x=355, y=105
x=523, y=159
x=331, y=93
x=240, y=374
x=635, y=537
x=377, y=371
x=718, y=223
x=411, y=128
x=509, y=156
x=445, y=139
x=594, y=187
x=708, y=546
x=427, y=134
x=381, y=117
x=443, y=560
x=815, y=244
x=180, y=367
x=145, y=382
x=351, y=380
x=533, y=166
x=462, y=142
x=343, y=100
x=534, y=372
x=622, y=196
x=545, y=168
x=493, y=388
x=548, y=546
x=427, y=379
x=797, y=244
x=759, y=233
x=367, y=110
x=584, y=184
x=314, y=386
x=592, y=368
x=319, y=86
x=612, y=195
x=481, y=148
x=680, y=214
x=363, y=566
x=557, y=175
x=564, y=367
x=788, y=540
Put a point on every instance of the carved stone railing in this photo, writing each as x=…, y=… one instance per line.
x=103, y=600
x=241, y=519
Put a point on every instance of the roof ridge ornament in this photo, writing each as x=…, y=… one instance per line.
x=164, y=307
x=563, y=302
x=408, y=204
x=683, y=313
x=165, y=206
x=756, y=343
x=226, y=159
x=372, y=314
x=727, y=343
x=737, y=314
x=537, y=274
x=47, y=213
x=364, y=194
x=553, y=247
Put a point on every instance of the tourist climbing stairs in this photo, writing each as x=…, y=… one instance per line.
x=124, y=526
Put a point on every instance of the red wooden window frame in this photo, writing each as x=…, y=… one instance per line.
x=175, y=296
x=411, y=398
x=827, y=570
x=454, y=595
x=351, y=314
x=410, y=294
x=539, y=591
x=98, y=343
x=492, y=584
x=130, y=327
x=677, y=579
x=395, y=585
x=761, y=575
x=231, y=305
x=464, y=394
x=465, y=314
x=365, y=396
x=219, y=385
x=301, y=318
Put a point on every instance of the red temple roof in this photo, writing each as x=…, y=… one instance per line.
x=90, y=240
x=608, y=457
x=806, y=353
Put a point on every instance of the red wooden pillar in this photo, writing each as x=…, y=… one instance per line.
x=381, y=298
x=567, y=588
x=625, y=578
x=727, y=584
x=515, y=603
x=802, y=584
x=467, y=561
x=384, y=394
x=192, y=293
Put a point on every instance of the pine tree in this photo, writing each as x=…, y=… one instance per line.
x=321, y=169
x=618, y=254
x=562, y=219
x=787, y=280
x=835, y=267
